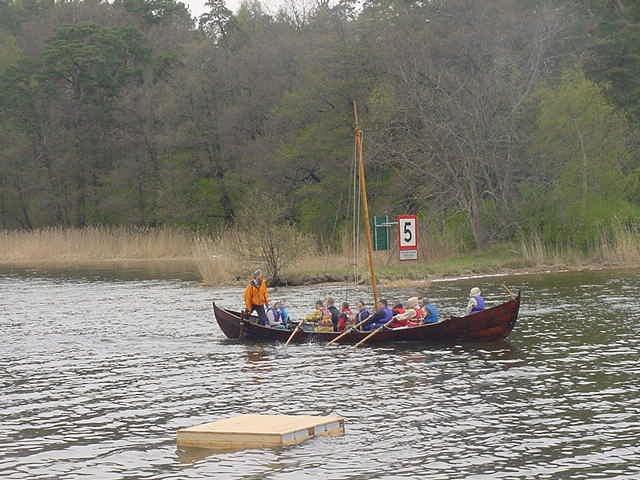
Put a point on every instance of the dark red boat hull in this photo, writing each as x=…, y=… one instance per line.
x=491, y=324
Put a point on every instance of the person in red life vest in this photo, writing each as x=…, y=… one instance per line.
x=416, y=319
x=343, y=321
x=420, y=311
x=408, y=317
x=398, y=309
x=347, y=310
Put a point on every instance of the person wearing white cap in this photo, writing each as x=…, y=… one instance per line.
x=476, y=302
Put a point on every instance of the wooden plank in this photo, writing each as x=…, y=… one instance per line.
x=259, y=431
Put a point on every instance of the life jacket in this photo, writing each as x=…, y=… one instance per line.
x=342, y=323
x=479, y=306
x=399, y=322
x=325, y=318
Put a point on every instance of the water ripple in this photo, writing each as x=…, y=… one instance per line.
x=96, y=376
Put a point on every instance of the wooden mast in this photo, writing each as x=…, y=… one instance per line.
x=365, y=205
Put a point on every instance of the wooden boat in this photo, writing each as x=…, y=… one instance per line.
x=491, y=324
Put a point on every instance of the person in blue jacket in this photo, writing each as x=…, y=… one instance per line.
x=476, y=302
x=284, y=313
x=383, y=315
x=363, y=312
x=432, y=315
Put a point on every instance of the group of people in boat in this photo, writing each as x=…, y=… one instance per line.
x=327, y=317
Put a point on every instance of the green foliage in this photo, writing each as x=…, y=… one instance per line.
x=95, y=62
x=581, y=146
x=615, y=53
x=9, y=51
x=218, y=22
x=124, y=112
x=155, y=11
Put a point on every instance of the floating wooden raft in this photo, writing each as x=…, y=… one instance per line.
x=259, y=431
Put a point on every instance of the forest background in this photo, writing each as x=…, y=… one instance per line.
x=509, y=126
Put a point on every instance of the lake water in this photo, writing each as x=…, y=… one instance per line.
x=96, y=376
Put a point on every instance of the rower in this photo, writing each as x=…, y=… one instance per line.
x=284, y=313
x=320, y=318
x=343, y=321
x=334, y=312
x=432, y=315
x=382, y=316
x=363, y=312
x=398, y=309
x=274, y=316
x=409, y=316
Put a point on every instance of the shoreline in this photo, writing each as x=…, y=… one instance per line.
x=186, y=269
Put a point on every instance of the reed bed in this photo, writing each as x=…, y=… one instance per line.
x=616, y=246
x=217, y=258
x=229, y=257
x=66, y=245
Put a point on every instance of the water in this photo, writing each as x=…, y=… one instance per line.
x=97, y=375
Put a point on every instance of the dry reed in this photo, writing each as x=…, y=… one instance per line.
x=217, y=258
x=228, y=257
x=58, y=244
x=619, y=245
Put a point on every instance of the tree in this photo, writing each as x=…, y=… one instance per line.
x=217, y=22
x=582, y=151
x=614, y=54
x=457, y=85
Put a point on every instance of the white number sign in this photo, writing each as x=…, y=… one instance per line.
x=408, y=237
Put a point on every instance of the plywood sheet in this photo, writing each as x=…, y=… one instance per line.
x=255, y=431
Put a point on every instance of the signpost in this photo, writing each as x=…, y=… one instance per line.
x=408, y=237
x=381, y=232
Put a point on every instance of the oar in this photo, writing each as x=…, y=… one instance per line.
x=508, y=290
x=295, y=330
x=373, y=333
x=353, y=327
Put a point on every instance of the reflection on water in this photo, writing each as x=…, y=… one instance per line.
x=96, y=376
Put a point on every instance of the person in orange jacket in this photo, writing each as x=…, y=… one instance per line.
x=256, y=296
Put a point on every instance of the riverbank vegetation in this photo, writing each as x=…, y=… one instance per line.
x=224, y=259
x=130, y=130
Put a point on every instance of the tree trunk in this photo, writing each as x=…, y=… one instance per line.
x=474, y=217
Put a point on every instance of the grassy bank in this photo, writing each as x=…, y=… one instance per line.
x=225, y=259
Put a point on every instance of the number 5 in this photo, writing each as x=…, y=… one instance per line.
x=408, y=234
